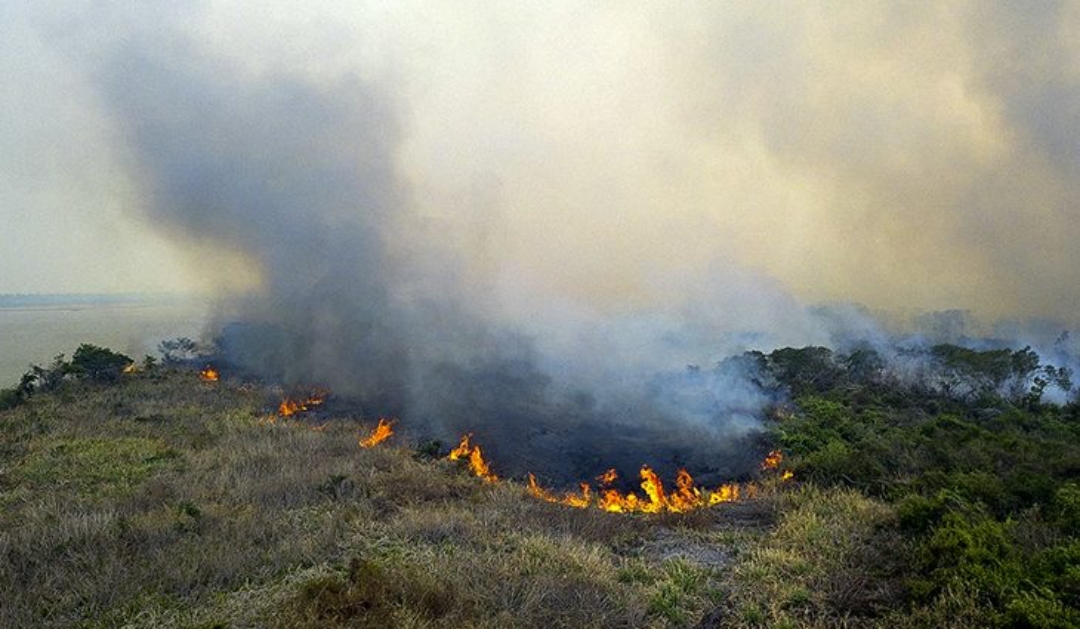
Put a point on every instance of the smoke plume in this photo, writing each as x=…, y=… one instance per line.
x=549, y=225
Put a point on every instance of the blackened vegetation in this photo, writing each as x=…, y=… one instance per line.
x=705, y=420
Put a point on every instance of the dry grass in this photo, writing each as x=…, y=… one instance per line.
x=165, y=502
x=829, y=562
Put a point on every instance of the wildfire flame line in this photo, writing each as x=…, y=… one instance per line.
x=381, y=433
x=209, y=374
x=686, y=496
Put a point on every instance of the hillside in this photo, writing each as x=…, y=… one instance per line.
x=165, y=500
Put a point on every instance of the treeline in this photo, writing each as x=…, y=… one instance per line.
x=89, y=362
x=95, y=364
x=983, y=476
x=916, y=374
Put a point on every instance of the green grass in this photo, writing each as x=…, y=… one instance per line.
x=90, y=464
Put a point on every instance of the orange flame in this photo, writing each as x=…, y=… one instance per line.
x=209, y=374
x=772, y=460
x=579, y=500
x=685, y=497
x=381, y=433
x=477, y=465
x=728, y=492
x=290, y=407
x=536, y=491
x=131, y=368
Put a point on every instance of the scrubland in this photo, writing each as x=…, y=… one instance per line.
x=158, y=499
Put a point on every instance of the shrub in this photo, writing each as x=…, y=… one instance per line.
x=98, y=363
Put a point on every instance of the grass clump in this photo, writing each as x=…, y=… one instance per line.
x=828, y=562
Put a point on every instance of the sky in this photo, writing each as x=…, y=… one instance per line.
x=904, y=156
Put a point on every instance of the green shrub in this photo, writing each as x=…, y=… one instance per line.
x=98, y=363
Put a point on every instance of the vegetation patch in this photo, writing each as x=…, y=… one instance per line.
x=95, y=463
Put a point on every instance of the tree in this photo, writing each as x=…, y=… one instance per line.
x=47, y=378
x=98, y=363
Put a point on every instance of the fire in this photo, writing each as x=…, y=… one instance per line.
x=381, y=433
x=131, y=368
x=728, y=492
x=685, y=496
x=772, y=462
x=209, y=374
x=608, y=477
x=290, y=407
x=477, y=465
x=579, y=500
x=536, y=491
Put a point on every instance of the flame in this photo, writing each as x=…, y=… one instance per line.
x=580, y=500
x=686, y=495
x=209, y=374
x=772, y=463
x=381, y=433
x=728, y=492
x=653, y=488
x=772, y=460
x=290, y=407
x=536, y=491
x=477, y=465
x=131, y=368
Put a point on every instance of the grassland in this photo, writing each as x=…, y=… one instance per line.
x=165, y=501
x=160, y=500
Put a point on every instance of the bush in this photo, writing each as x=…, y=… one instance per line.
x=98, y=363
x=9, y=398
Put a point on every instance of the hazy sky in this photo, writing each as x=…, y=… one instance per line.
x=901, y=155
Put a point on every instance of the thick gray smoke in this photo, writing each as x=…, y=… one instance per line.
x=548, y=225
x=300, y=177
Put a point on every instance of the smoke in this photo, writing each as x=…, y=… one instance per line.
x=551, y=224
x=301, y=177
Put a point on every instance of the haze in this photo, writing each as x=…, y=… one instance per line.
x=742, y=158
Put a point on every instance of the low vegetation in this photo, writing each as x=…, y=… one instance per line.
x=167, y=501
x=977, y=476
x=943, y=494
